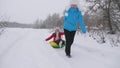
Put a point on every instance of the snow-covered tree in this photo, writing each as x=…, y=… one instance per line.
x=52, y=21
x=110, y=10
x=37, y=24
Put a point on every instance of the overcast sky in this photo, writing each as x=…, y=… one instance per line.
x=27, y=11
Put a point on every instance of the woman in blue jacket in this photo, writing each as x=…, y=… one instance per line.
x=72, y=18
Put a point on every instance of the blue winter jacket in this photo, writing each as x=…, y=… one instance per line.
x=72, y=18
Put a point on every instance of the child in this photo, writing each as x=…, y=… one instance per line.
x=57, y=37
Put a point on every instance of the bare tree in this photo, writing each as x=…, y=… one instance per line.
x=110, y=12
x=3, y=24
x=37, y=24
x=52, y=21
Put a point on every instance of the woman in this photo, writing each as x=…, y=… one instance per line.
x=72, y=18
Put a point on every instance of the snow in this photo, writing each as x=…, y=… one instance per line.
x=27, y=48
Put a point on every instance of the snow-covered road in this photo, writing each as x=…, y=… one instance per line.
x=27, y=48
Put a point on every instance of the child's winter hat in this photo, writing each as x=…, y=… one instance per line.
x=76, y=2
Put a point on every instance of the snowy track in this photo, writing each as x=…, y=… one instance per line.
x=27, y=48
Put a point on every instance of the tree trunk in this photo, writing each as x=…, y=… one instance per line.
x=109, y=17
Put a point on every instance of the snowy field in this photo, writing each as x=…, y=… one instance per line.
x=27, y=48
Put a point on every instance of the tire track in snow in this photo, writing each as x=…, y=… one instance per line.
x=32, y=52
x=97, y=54
x=12, y=44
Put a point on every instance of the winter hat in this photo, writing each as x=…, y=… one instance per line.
x=57, y=29
x=76, y=2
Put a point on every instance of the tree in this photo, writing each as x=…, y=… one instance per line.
x=3, y=24
x=110, y=10
x=37, y=23
x=52, y=21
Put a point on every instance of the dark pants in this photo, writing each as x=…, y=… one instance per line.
x=58, y=41
x=69, y=36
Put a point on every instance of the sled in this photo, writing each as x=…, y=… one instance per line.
x=55, y=45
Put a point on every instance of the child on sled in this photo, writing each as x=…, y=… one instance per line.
x=57, y=38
